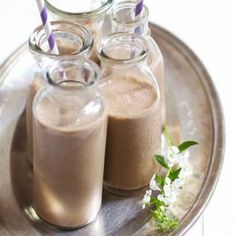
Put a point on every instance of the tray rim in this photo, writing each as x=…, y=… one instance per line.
x=218, y=146
x=11, y=60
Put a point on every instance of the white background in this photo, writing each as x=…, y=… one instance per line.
x=209, y=28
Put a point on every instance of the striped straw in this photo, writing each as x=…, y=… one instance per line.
x=47, y=26
x=138, y=10
x=139, y=7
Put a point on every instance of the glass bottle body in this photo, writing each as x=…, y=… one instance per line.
x=73, y=40
x=122, y=18
x=134, y=124
x=70, y=125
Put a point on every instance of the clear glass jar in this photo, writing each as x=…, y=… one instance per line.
x=73, y=40
x=122, y=17
x=70, y=126
x=90, y=13
x=134, y=124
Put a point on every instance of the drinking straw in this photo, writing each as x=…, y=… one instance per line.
x=138, y=10
x=139, y=7
x=47, y=26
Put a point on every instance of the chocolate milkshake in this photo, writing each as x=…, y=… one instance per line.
x=134, y=130
x=36, y=86
x=70, y=126
x=134, y=123
x=68, y=170
x=72, y=40
x=122, y=20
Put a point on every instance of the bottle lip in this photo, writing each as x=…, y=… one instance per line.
x=38, y=35
x=83, y=15
x=124, y=38
x=60, y=67
x=141, y=19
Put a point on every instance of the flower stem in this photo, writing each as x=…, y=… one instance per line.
x=168, y=172
x=168, y=136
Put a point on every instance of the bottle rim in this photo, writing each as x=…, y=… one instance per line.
x=60, y=67
x=83, y=15
x=62, y=26
x=141, y=19
x=123, y=37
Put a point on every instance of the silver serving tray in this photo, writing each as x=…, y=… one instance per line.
x=193, y=112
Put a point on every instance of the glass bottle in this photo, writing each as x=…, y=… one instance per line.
x=122, y=17
x=73, y=40
x=70, y=125
x=90, y=13
x=134, y=124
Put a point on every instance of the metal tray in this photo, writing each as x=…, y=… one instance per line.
x=193, y=112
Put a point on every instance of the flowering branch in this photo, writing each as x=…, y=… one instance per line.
x=175, y=161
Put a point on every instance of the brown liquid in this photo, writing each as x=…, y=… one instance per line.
x=134, y=133
x=68, y=170
x=37, y=85
x=65, y=49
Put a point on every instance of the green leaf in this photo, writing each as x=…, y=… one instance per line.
x=174, y=174
x=153, y=200
x=160, y=180
x=161, y=161
x=185, y=145
x=168, y=136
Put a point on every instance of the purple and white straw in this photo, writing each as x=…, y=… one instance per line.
x=47, y=26
x=138, y=11
x=138, y=30
x=139, y=7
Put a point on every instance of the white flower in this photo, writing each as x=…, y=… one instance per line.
x=173, y=151
x=153, y=184
x=168, y=189
x=185, y=165
x=183, y=159
x=170, y=192
x=146, y=198
x=185, y=171
x=161, y=198
x=167, y=200
x=178, y=183
x=186, y=154
x=172, y=156
x=175, y=158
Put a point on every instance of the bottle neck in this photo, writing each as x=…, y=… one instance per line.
x=72, y=40
x=88, y=10
x=123, y=18
x=122, y=49
x=73, y=83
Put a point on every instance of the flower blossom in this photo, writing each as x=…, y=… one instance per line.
x=170, y=192
x=173, y=156
x=153, y=184
x=146, y=198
